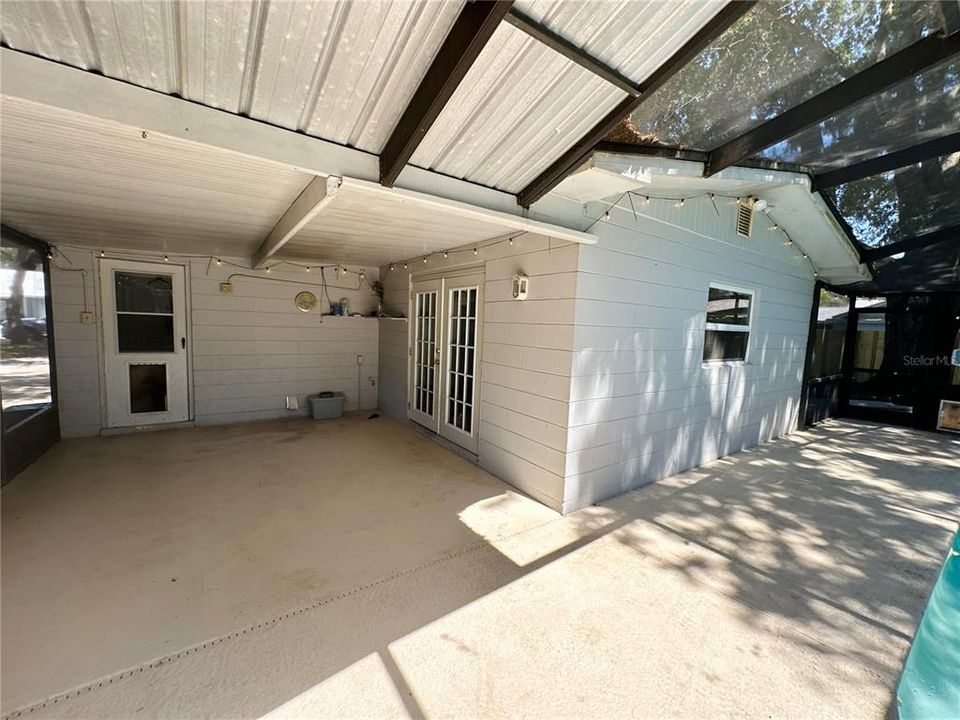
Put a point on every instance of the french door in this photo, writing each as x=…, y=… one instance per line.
x=445, y=342
x=145, y=342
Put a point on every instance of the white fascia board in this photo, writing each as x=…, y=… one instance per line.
x=45, y=82
x=318, y=193
x=439, y=204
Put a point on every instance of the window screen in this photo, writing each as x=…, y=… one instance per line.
x=727, y=333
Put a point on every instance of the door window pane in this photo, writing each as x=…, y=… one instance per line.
x=461, y=370
x=24, y=352
x=144, y=333
x=148, y=388
x=142, y=293
x=425, y=343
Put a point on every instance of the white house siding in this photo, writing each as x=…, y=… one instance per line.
x=248, y=350
x=77, y=346
x=642, y=404
x=392, y=395
x=253, y=347
x=525, y=374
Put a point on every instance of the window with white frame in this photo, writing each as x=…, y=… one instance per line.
x=727, y=334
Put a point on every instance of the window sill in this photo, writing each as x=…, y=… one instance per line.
x=724, y=363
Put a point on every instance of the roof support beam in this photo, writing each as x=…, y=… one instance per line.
x=891, y=161
x=914, y=243
x=875, y=79
x=467, y=38
x=575, y=156
x=318, y=193
x=560, y=44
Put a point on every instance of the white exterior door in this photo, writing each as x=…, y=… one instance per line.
x=145, y=342
x=446, y=339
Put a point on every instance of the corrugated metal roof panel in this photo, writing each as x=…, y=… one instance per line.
x=341, y=71
x=520, y=106
x=633, y=36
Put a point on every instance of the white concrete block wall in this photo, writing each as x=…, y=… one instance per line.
x=642, y=404
x=249, y=349
x=525, y=374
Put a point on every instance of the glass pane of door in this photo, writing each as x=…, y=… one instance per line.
x=144, y=312
x=425, y=349
x=461, y=365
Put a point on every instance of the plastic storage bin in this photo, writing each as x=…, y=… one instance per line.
x=325, y=406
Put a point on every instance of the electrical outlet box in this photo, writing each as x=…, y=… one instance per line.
x=293, y=402
x=359, y=359
x=86, y=317
x=226, y=288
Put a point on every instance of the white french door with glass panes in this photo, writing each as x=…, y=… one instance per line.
x=445, y=342
x=145, y=342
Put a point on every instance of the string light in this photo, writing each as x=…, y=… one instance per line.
x=476, y=251
x=606, y=215
x=404, y=266
x=511, y=242
x=424, y=259
x=166, y=259
x=220, y=262
x=646, y=199
x=49, y=254
x=446, y=254
x=267, y=269
x=362, y=274
x=680, y=203
x=308, y=268
x=102, y=254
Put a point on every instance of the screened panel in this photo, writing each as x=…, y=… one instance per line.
x=914, y=111
x=902, y=204
x=772, y=59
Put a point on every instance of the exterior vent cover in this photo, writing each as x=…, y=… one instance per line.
x=745, y=218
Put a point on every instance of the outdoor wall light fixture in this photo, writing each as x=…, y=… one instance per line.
x=521, y=284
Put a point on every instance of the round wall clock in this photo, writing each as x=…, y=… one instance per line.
x=305, y=301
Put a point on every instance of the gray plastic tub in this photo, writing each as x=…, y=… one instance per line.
x=326, y=408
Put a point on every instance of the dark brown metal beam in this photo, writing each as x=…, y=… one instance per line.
x=466, y=39
x=921, y=241
x=573, y=157
x=880, y=76
x=891, y=161
x=545, y=35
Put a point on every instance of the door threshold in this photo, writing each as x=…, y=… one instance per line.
x=148, y=428
x=449, y=445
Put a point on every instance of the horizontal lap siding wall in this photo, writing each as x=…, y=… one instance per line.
x=525, y=375
x=77, y=346
x=253, y=347
x=642, y=404
x=249, y=349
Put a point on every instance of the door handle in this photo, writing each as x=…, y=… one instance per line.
x=436, y=360
x=183, y=343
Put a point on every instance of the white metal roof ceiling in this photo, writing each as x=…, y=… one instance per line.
x=76, y=180
x=344, y=71
x=72, y=179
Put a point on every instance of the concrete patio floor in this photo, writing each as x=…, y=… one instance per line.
x=354, y=568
